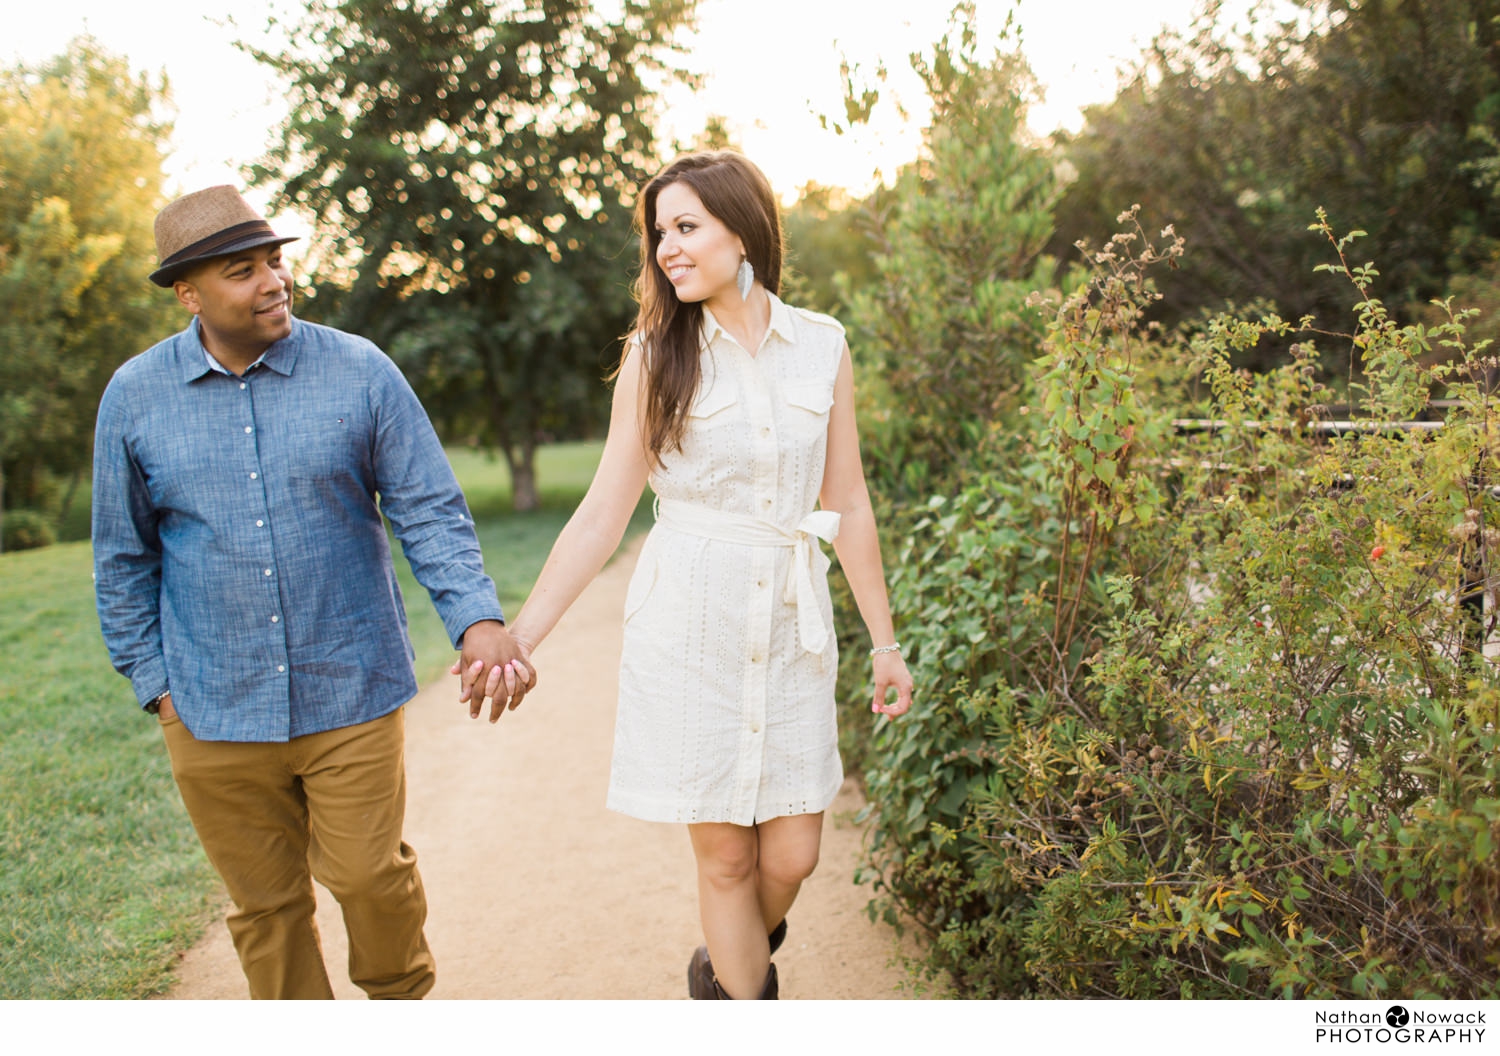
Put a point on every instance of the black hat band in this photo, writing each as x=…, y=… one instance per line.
x=219, y=240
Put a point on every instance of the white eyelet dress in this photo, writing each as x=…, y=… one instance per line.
x=726, y=709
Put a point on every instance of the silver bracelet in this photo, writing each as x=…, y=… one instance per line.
x=894, y=647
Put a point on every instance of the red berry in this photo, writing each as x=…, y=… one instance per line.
x=1376, y=552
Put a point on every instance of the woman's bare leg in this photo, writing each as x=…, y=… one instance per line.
x=747, y=880
x=729, y=906
x=788, y=853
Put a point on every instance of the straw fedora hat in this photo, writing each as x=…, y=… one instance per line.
x=213, y=222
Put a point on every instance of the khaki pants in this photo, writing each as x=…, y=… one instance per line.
x=329, y=805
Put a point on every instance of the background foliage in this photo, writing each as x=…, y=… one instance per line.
x=1381, y=111
x=470, y=170
x=80, y=181
x=1244, y=741
x=1201, y=712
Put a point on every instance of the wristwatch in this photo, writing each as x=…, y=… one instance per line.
x=153, y=706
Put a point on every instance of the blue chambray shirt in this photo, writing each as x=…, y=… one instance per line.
x=240, y=560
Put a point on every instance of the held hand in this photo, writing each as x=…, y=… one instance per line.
x=492, y=665
x=891, y=673
x=165, y=712
x=514, y=676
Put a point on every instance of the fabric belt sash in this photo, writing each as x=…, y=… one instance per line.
x=808, y=558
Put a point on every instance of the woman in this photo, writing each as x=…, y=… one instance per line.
x=739, y=412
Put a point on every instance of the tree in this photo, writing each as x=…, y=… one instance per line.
x=470, y=169
x=42, y=281
x=830, y=243
x=944, y=324
x=80, y=183
x=1384, y=113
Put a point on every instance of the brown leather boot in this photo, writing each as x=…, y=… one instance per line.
x=768, y=991
x=700, y=974
x=701, y=985
x=778, y=935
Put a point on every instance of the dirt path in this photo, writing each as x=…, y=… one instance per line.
x=536, y=891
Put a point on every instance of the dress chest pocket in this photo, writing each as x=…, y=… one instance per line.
x=808, y=404
x=711, y=408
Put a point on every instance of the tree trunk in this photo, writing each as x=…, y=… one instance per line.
x=522, y=464
x=68, y=497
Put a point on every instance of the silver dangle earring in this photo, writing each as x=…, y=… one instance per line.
x=744, y=279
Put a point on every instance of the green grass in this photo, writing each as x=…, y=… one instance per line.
x=102, y=879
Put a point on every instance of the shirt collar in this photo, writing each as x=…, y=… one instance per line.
x=195, y=360
x=781, y=322
x=781, y=319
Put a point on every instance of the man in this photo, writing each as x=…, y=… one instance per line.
x=245, y=587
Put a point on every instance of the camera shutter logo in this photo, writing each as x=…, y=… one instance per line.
x=1397, y=1016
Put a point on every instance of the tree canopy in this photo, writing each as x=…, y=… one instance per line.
x=80, y=183
x=943, y=323
x=1382, y=113
x=470, y=170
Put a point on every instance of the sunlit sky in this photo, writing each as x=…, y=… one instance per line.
x=770, y=67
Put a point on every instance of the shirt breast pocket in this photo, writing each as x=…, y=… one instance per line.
x=325, y=447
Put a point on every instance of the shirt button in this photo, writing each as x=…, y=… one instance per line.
x=766, y=503
x=281, y=668
x=254, y=476
x=755, y=727
x=242, y=384
x=261, y=524
x=268, y=571
x=760, y=583
x=248, y=429
x=275, y=619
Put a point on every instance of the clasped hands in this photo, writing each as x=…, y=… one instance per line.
x=492, y=664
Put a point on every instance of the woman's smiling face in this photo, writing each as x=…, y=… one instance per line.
x=694, y=249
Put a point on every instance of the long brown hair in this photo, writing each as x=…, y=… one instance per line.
x=669, y=331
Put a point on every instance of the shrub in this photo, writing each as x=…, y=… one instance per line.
x=1204, y=715
x=26, y=530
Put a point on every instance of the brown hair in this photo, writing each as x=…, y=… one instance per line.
x=669, y=331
